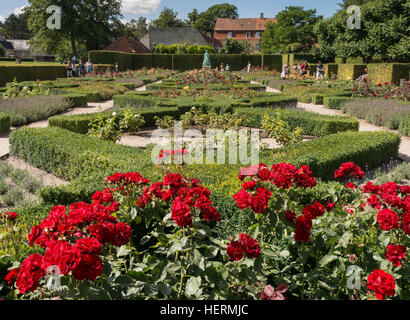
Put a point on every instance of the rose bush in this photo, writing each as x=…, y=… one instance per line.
x=139, y=239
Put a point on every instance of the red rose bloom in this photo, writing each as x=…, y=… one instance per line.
x=250, y=246
x=181, y=214
x=249, y=185
x=10, y=216
x=211, y=214
x=313, y=211
x=290, y=215
x=235, y=251
x=89, y=246
x=388, y=219
x=349, y=169
x=381, y=283
x=11, y=276
x=243, y=199
x=90, y=267
x=374, y=201
x=63, y=255
x=395, y=254
x=31, y=271
x=405, y=223
x=260, y=200
x=122, y=234
x=264, y=174
x=116, y=177
x=173, y=180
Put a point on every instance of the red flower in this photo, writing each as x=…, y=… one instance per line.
x=264, y=174
x=350, y=185
x=349, y=169
x=330, y=206
x=243, y=199
x=290, y=215
x=249, y=185
x=116, y=177
x=260, y=200
x=374, y=201
x=395, y=254
x=379, y=84
x=388, y=219
x=405, y=223
x=11, y=276
x=10, y=215
x=89, y=246
x=302, y=235
x=250, y=246
x=63, y=255
x=381, y=283
x=181, y=214
x=90, y=267
x=314, y=210
x=235, y=251
x=31, y=271
x=211, y=214
x=173, y=180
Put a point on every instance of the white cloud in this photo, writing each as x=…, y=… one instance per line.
x=2, y=19
x=19, y=10
x=140, y=6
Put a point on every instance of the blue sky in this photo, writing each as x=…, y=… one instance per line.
x=247, y=8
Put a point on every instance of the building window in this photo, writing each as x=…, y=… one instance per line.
x=258, y=34
x=230, y=35
x=257, y=46
x=249, y=34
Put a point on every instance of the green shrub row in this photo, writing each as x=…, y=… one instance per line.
x=30, y=72
x=324, y=155
x=335, y=102
x=311, y=123
x=404, y=126
x=5, y=123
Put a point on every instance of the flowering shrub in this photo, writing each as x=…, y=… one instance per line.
x=176, y=251
x=206, y=77
x=380, y=90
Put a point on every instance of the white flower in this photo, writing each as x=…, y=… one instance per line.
x=114, y=114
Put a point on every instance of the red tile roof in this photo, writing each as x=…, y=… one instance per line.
x=127, y=45
x=242, y=24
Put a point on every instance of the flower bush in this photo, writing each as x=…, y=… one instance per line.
x=139, y=239
x=206, y=77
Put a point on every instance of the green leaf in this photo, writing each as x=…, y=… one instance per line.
x=344, y=240
x=327, y=259
x=164, y=289
x=192, y=287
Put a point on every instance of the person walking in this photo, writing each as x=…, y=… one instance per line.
x=320, y=71
x=222, y=67
x=285, y=71
x=249, y=66
x=81, y=68
x=89, y=66
x=69, y=69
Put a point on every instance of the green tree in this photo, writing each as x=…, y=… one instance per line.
x=16, y=27
x=205, y=21
x=168, y=19
x=384, y=32
x=232, y=46
x=294, y=25
x=93, y=23
x=135, y=29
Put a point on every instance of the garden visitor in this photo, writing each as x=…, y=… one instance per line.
x=249, y=66
x=69, y=68
x=81, y=68
x=89, y=66
x=304, y=68
x=222, y=67
x=285, y=71
x=364, y=77
x=116, y=67
x=320, y=71
x=227, y=67
x=295, y=69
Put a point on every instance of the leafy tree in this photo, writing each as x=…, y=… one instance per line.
x=168, y=19
x=135, y=29
x=16, y=27
x=205, y=21
x=232, y=46
x=93, y=23
x=383, y=35
x=294, y=25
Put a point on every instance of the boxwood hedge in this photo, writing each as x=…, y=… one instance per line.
x=311, y=123
x=4, y=122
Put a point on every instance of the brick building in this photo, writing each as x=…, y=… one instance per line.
x=243, y=29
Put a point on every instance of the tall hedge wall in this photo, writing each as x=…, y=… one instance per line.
x=350, y=71
x=388, y=72
x=273, y=61
x=30, y=72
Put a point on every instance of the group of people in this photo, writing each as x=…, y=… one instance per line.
x=223, y=68
x=302, y=70
x=77, y=68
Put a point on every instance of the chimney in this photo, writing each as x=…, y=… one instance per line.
x=262, y=17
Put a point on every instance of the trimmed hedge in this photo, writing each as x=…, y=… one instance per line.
x=325, y=155
x=317, y=99
x=5, y=122
x=350, y=71
x=311, y=123
x=273, y=61
x=404, y=126
x=30, y=72
x=388, y=72
x=335, y=102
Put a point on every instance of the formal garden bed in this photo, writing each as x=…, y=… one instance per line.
x=126, y=228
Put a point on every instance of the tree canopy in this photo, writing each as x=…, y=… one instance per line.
x=205, y=21
x=294, y=26
x=167, y=19
x=384, y=33
x=15, y=27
